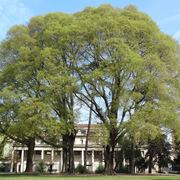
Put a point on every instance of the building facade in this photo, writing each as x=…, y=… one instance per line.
x=50, y=155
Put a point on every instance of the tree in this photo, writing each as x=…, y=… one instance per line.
x=58, y=49
x=127, y=68
x=22, y=109
x=176, y=161
x=87, y=139
x=42, y=51
x=158, y=152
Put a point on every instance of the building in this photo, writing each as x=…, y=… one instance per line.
x=50, y=155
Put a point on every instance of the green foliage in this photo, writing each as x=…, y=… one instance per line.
x=123, y=169
x=100, y=169
x=40, y=167
x=176, y=161
x=3, y=141
x=160, y=150
x=80, y=169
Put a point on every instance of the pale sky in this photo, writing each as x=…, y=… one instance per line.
x=166, y=13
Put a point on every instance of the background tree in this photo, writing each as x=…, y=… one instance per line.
x=23, y=109
x=158, y=152
x=58, y=49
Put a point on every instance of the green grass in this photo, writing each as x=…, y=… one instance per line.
x=90, y=178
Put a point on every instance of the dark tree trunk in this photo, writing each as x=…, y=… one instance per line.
x=64, y=166
x=68, y=153
x=150, y=162
x=119, y=160
x=159, y=169
x=65, y=154
x=71, y=160
x=87, y=137
x=109, y=157
x=132, y=160
x=30, y=152
x=71, y=152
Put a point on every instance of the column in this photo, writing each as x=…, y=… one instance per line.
x=12, y=160
x=61, y=161
x=93, y=161
x=103, y=158
x=52, y=155
x=124, y=161
x=114, y=159
x=22, y=160
x=82, y=157
x=42, y=154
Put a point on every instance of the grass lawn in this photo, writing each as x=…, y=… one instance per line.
x=90, y=178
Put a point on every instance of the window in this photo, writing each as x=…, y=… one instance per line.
x=38, y=152
x=81, y=141
x=57, y=153
x=48, y=152
x=83, y=131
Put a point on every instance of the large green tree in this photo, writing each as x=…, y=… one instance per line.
x=22, y=109
x=40, y=58
x=128, y=70
x=57, y=39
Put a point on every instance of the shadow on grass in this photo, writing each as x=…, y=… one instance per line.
x=163, y=179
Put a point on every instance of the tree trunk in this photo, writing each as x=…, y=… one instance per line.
x=119, y=160
x=68, y=152
x=150, y=162
x=87, y=137
x=65, y=154
x=159, y=169
x=30, y=152
x=132, y=160
x=64, y=166
x=71, y=152
x=109, y=157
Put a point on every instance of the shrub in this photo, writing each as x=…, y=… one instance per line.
x=100, y=169
x=80, y=169
x=123, y=169
x=4, y=167
x=40, y=167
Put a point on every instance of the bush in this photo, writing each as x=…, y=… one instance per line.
x=40, y=167
x=80, y=169
x=176, y=167
x=4, y=167
x=100, y=169
x=124, y=169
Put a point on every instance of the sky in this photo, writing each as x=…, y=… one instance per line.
x=166, y=13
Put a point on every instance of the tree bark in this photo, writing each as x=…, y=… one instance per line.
x=87, y=137
x=118, y=160
x=64, y=166
x=71, y=152
x=109, y=157
x=30, y=152
x=68, y=153
x=65, y=151
x=150, y=162
x=132, y=160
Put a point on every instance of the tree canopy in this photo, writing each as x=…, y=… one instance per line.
x=117, y=62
